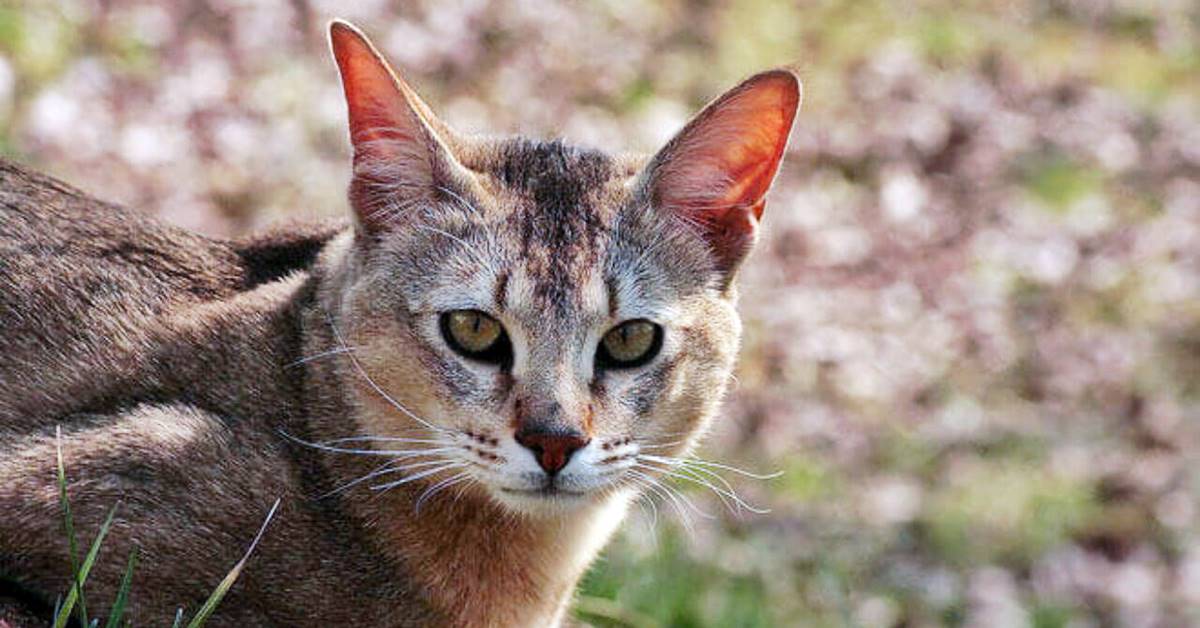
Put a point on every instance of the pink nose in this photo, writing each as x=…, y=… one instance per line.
x=552, y=449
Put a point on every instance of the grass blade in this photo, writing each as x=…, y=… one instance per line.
x=82, y=574
x=218, y=594
x=64, y=612
x=612, y=613
x=118, y=605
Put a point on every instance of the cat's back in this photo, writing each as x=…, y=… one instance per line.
x=68, y=261
x=86, y=288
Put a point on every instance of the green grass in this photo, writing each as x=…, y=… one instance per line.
x=1006, y=512
x=75, y=599
x=670, y=587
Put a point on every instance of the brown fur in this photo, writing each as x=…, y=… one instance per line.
x=190, y=376
x=171, y=406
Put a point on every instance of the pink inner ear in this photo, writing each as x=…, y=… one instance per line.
x=381, y=120
x=727, y=156
x=717, y=170
x=396, y=156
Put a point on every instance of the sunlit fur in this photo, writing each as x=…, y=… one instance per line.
x=199, y=380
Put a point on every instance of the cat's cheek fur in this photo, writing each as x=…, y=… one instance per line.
x=692, y=395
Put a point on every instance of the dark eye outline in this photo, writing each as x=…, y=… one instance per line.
x=605, y=360
x=499, y=352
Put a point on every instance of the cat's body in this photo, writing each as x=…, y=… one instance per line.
x=195, y=381
x=172, y=364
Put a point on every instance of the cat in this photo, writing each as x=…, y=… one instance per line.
x=453, y=394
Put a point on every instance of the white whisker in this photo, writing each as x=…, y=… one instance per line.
x=676, y=499
x=385, y=439
x=439, y=487
x=643, y=500
x=418, y=476
x=392, y=453
x=323, y=354
x=727, y=495
x=383, y=469
x=700, y=472
x=715, y=465
x=358, y=367
x=692, y=505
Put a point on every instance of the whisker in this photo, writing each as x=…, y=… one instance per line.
x=358, y=367
x=462, y=489
x=715, y=465
x=651, y=487
x=385, y=439
x=686, y=500
x=417, y=476
x=323, y=354
x=673, y=497
x=732, y=507
x=383, y=469
x=643, y=500
x=697, y=471
x=676, y=499
x=727, y=495
x=439, y=487
x=367, y=452
x=352, y=483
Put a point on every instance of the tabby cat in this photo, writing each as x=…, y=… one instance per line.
x=455, y=394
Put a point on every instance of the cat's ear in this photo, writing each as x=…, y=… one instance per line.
x=715, y=173
x=400, y=154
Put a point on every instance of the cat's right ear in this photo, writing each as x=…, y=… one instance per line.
x=400, y=157
x=714, y=174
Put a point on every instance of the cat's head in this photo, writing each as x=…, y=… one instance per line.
x=531, y=318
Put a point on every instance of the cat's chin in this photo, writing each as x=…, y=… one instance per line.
x=544, y=502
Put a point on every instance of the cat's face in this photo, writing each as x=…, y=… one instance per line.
x=539, y=318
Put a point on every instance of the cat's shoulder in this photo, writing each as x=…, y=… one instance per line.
x=53, y=235
x=91, y=292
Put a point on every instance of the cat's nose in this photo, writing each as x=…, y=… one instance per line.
x=552, y=449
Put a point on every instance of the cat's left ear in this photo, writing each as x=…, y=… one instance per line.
x=715, y=173
x=401, y=152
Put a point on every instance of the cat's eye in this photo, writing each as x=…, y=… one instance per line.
x=477, y=336
x=632, y=343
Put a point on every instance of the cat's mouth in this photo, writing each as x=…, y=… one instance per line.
x=547, y=491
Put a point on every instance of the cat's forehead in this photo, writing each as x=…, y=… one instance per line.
x=558, y=204
x=537, y=181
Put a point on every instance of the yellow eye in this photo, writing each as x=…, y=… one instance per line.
x=630, y=344
x=471, y=332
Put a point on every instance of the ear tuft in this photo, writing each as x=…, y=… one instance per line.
x=716, y=172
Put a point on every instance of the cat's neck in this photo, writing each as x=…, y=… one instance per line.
x=481, y=565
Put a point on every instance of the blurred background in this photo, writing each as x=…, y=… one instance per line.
x=972, y=327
